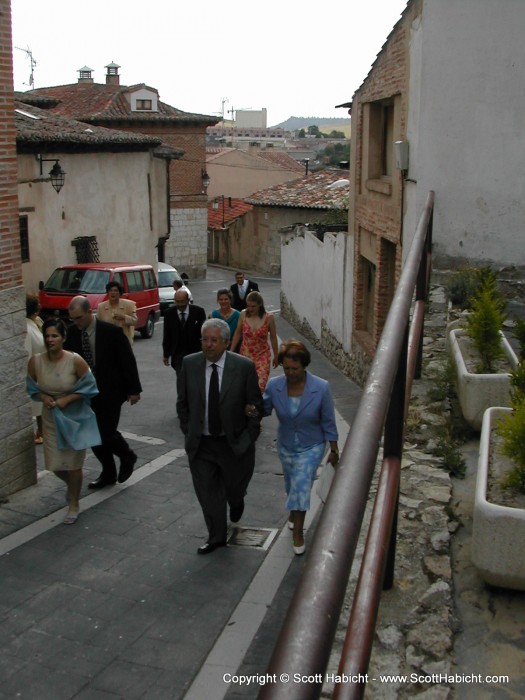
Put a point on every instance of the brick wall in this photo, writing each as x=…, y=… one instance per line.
x=10, y=263
x=17, y=453
x=375, y=204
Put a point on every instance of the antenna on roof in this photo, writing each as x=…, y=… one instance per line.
x=32, y=62
x=224, y=100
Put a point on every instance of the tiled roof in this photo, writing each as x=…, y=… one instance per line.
x=233, y=209
x=41, y=129
x=96, y=102
x=310, y=192
x=282, y=159
x=279, y=158
x=214, y=152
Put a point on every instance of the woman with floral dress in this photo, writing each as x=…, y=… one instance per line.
x=255, y=325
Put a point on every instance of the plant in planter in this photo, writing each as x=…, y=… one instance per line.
x=511, y=429
x=485, y=322
x=498, y=535
x=482, y=355
x=461, y=286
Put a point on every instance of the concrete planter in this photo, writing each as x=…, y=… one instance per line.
x=477, y=392
x=498, y=532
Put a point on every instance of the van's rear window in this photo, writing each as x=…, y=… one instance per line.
x=168, y=277
x=87, y=281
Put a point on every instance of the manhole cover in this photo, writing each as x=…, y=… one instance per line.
x=258, y=537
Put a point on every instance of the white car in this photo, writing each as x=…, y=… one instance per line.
x=167, y=275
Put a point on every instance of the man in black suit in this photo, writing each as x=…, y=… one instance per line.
x=215, y=388
x=182, y=330
x=241, y=289
x=108, y=352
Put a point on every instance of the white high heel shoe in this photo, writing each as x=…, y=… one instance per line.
x=299, y=550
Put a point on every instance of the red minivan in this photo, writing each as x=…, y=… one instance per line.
x=90, y=280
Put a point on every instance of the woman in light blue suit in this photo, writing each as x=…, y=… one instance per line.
x=305, y=409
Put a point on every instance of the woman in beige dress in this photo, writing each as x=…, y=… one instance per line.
x=121, y=312
x=59, y=379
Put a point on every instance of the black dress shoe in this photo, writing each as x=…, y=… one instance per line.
x=101, y=483
x=126, y=467
x=210, y=547
x=236, y=512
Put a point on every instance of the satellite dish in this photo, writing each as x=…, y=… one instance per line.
x=337, y=184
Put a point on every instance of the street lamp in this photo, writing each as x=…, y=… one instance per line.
x=206, y=179
x=215, y=206
x=56, y=174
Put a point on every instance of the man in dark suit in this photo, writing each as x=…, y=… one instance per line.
x=241, y=289
x=108, y=352
x=182, y=330
x=215, y=388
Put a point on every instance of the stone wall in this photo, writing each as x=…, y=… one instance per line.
x=354, y=364
x=187, y=247
x=17, y=451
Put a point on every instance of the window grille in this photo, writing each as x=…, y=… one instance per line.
x=86, y=249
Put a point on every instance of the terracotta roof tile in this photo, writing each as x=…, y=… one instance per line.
x=282, y=159
x=310, y=192
x=96, y=102
x=41, y=129
x=233, y=209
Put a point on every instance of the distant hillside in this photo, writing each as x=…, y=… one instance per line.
x=294, y=123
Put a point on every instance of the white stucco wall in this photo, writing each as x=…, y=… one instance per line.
x=317, y=279
x=104, y=195
x=465, y=128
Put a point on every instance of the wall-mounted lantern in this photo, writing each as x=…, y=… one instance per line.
x=56, y=174
x=206, y=179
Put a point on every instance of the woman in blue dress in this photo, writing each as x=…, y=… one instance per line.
x=305, y=409
x=225, y=311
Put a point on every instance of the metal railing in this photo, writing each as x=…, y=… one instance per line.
x=306, y=638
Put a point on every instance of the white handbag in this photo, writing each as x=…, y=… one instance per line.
x=324, y=482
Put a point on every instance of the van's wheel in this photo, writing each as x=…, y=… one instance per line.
x=149, y=328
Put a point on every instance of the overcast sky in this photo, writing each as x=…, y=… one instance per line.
x=294, y=58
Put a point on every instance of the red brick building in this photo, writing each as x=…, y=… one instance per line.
x=17, y=456
x=379, y=116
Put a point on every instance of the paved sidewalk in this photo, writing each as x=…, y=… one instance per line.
x=120, y=605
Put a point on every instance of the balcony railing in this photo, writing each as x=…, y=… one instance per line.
x=305, y=641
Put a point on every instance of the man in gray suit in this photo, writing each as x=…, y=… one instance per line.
x=215, y=387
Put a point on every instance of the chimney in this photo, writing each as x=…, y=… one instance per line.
x=112, y=76
x=85, y=75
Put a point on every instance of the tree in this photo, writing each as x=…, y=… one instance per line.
x=335, y=153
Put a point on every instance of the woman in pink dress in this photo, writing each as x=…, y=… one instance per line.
x=255, y=325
